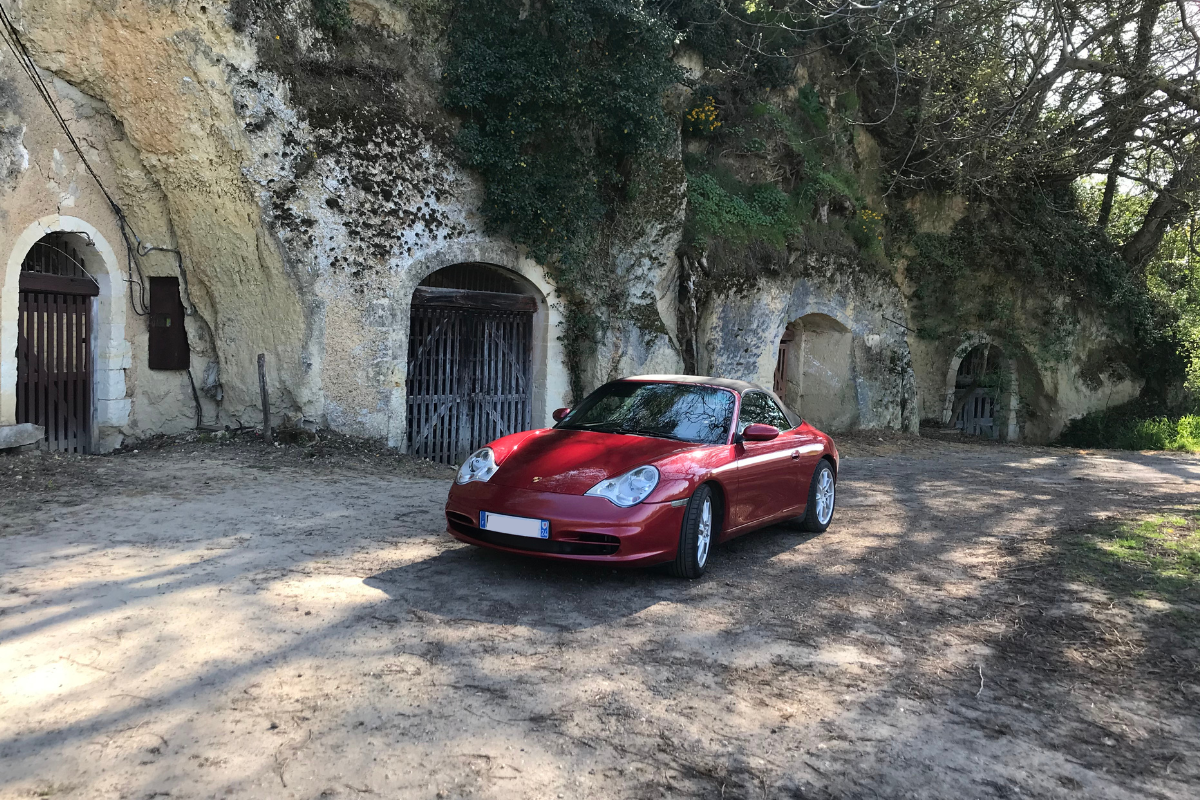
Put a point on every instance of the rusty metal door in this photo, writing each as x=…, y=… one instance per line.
x=469, y=371
x=54, y=369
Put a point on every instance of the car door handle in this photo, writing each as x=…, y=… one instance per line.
x=795, y=455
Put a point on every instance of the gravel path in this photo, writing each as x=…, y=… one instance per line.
x=205, y=621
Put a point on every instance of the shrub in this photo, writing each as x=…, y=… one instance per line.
x=1134, y=426
x=557, y=100
x=738, y=213
x=332, y=15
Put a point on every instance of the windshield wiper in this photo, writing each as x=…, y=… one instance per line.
x=655, y=434
x=600, y=427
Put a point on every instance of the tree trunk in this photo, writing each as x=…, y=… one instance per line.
x=1166, y=209
x=1110, y=189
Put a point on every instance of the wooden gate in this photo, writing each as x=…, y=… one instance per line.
x=976, y=387
x=978, y=415
x=469, y=370
x=54, y=370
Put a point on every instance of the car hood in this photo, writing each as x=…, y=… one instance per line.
x=571, y=462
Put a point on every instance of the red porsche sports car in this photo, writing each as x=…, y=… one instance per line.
x=647, y=470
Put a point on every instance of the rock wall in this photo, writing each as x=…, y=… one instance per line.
x=311, y=184
x=740, y=332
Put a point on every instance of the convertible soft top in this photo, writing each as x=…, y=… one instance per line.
x=724, y=383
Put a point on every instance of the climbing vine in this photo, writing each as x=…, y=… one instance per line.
x=331, y=15
x=1028, y=247
x=559, y=102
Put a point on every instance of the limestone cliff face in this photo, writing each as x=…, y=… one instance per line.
x=850, y=365
x=164, y=73
x=311, y=184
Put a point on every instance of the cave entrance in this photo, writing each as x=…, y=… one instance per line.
x=814, y=373
x=55, y=311
x=470, y=359
x=981, y=381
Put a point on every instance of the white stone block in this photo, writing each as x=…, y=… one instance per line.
x=114, y=358
x=112, y=413
x=110, y=384
x=112, y=350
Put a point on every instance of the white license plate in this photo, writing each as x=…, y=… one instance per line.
x=517, y=526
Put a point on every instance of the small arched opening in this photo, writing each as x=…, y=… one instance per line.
x=981, y=392
x=814, y=373
x=57, y=258
x=56, y=311
x=471, y=358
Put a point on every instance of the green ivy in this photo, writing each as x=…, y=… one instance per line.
x=331, y=15
x=739, y=214
x=560, y=102
x=1032, y=244
x=557, y=100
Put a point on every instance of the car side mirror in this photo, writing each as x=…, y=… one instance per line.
x=758, y=432
x=560, y=414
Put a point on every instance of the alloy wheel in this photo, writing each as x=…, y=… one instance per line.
x=704, y=532
x=825, y=496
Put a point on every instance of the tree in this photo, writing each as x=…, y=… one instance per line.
x=978, y=95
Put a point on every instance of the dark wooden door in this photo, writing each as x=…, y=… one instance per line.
x=54, y=365
x=469, y=371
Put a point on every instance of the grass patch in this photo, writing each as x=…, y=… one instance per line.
x=1155, y=557
x=1134, y=426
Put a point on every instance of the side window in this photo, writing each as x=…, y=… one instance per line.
x=758, y=407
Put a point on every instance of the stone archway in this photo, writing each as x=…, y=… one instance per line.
x=815, y=372
x=470, y=360
x=1005, y=393
x=550, y=381
x=110, y=350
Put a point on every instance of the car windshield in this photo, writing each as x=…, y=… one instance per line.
x=699, y=414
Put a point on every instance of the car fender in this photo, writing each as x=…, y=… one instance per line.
x=681, y=474
x=507, y=445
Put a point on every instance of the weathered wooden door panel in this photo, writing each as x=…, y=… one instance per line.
x=54, y=370
x=469, y=378
x=978, y=415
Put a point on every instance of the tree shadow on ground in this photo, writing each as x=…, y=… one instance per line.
x=501, y=588
x=899, y=654
x=1108, y=646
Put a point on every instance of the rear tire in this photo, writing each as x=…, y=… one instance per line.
x=822, y=498
x=697, y=535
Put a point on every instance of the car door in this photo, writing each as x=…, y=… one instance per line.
x=766, y=471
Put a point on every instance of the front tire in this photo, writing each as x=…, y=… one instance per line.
x=822, y=496
x=696, y=537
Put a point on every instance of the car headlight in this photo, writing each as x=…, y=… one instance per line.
x=629, y=489
x=479, y=467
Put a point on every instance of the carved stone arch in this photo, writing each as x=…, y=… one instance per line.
x=111, y=353
x=811, y=306
x=815, y=370
x=1011, y=400
x=550, y=381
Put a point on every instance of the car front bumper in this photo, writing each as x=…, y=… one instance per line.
x=581, y=528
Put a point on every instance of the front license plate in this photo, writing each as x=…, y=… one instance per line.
x=517, y=526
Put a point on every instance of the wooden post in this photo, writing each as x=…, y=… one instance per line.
x=266, y=401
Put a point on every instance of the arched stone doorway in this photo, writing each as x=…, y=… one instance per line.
x=54, y=359
x=982, y=396
x=63, y=351
x=815, y=372
x=471, y=375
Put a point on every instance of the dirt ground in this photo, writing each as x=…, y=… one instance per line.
x=199, y=619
